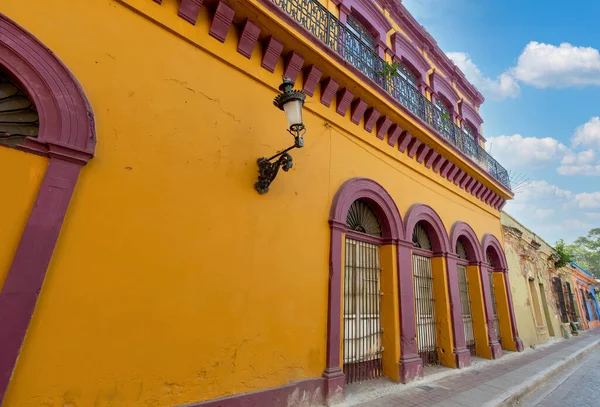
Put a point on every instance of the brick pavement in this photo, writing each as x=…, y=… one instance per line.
x=475, y=387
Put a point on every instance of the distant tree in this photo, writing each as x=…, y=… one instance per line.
x=564, y=253
x=585, y=251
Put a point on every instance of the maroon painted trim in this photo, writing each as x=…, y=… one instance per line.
x=486, y=195
x=293, y=65
x=411, y=365
x=491, y=243
x=452, y=173
x=423, y=252
x=446, y=169
x=311, y=390
x=248, y=38
x=471, y=115
x=329, y=88
x=422, y=152
x=404, y=141
x=67, y=136
x=382, y=127
x=370, y=14
x=312, y=76
x=393, y=134
x=478, y=185
x=379, y=200
x=221, y=21
x=420, y=36
x=438, y=163
x=271, y=53
x=431, y=222
x=382, y=93
x=409, y=54
x=413, y=146
x=344, y=99
x=459, y=177
x=358, y=110
x=502, y=203
x=462, y=356
x=189, y=9
x=371, y=118
x=442, y=86
x=431, y=158
x=469, y=239
x=363, y=237
x=465, y=181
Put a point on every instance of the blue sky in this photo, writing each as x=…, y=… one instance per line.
x=537, y=63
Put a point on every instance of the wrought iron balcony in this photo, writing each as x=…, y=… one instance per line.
x=313, y=16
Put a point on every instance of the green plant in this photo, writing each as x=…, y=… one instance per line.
x=389, y=70
x=564, y=256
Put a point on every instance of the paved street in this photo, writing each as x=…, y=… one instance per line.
x=576, y=387
x=475, y=387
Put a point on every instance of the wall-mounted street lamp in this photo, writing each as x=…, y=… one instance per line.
x=291, y=102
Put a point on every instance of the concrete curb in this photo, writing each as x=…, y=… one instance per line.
x=515, y=394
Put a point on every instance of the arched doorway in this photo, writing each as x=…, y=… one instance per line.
x=365, y=231
x=66, y=135
x=436, y=327
x=424, y=298
x=501, y=297
x=465, y=299
x=362, y=295
x=473, y=286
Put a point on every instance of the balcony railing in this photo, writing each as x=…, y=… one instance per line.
x=322, y=24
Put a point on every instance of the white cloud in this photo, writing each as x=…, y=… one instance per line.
x=543, y=213
x=555, y=213
x=540, y=65
x=540, y=191
x=588, y=134
x=581, y=163
x=548, y=66
x=505, y=86
x=587, y=200
x=526, y=152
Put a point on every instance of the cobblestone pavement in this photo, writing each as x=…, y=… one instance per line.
x=576, y=387
x=476, y=387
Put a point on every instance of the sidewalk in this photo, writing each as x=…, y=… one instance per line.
x=495, y=383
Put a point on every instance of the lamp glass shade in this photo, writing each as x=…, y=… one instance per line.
x=293, y=112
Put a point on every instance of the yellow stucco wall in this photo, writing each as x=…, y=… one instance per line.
x=173, y=281
x=22, y=176
x=480, y=332
x=526, y=261
x=502, y=307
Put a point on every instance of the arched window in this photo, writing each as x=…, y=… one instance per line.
x=420, y=238
x=444, y=116
x=470, y=130
x=360, y=31
x=18, y=117
x=361, y=218
x=405, y=73
x=362, y=301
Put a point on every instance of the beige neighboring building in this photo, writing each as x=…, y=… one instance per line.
x=536, y=299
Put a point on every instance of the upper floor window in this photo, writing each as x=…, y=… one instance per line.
x=407, y=74
x=470, y=130
x=361, y=32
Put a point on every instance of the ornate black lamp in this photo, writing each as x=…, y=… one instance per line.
x=291, y=102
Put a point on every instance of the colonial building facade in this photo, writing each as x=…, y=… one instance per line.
x=142, y=267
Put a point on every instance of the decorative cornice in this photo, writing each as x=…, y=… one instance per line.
x=362, y=110
x=369, y=12
x=469, y=113
x=442, y=86
x=403, y=48
x=425, y=41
